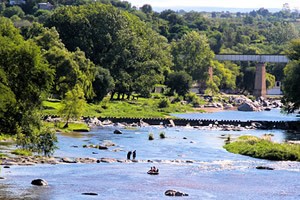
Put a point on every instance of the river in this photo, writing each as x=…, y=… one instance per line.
x=190, y=160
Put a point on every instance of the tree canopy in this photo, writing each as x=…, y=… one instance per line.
x=291, y=86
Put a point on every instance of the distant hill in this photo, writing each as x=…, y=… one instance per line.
x=213, y=9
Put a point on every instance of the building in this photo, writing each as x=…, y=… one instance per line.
x=17, y=2
x=276, y=90
x=45, y=6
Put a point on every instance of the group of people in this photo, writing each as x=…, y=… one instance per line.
x=153, y=170
x=133, y=155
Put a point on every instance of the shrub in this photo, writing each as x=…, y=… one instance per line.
x=22, y=152
x=164, y=103
x=151, y=136
x=162, y=135
x=265, y=149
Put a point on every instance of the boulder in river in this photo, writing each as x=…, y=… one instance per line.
x=175, y=193
x=247, y=106
x=39, y=182
x=264, y=167
x=89, y=193
x=117, y=131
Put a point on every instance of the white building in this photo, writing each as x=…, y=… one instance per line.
x=275, y=90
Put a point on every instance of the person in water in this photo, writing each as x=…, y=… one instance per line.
x=134, y=154
x=128, y=155
x=153, y=169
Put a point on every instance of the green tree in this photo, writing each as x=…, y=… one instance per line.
x=291, y=86
x=14, y=10
x=47, y=141
x=115, y=40
x=27, y=76
x=73, y=105
x=193, y=55
x=102, y=84
x=71, y=68
x=179, y=82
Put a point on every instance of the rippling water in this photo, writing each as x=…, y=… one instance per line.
x=273, y=115
x=197, y=165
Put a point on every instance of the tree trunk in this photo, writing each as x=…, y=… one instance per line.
x=66, y=125
x=112, y=95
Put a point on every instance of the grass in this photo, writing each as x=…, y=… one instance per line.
x=7, y=137
x=143, y=107
x=82, y=127
x=22, y=152
x=264, y=148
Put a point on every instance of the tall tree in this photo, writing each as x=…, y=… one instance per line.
x=115, y=40
x=291, y=86
x=25, y=78
x=73, y=105
x=193, y=55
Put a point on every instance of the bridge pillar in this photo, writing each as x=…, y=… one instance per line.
x=210, y=73
x=260, y=81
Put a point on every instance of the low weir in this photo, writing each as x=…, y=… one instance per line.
x=285, y=125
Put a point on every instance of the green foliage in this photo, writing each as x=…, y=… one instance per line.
x=13, y=11
x=193, y=55
x=42, y=142
x=194, y=99
x=102, y=84
x=135, y=55
x=24, y=77
x=73, y=104
x=291, y=87
x=162, y=135
x=270, y=80
x=179, y=82
x=46, y=142
x=225, y=74
x=264, y=148
x=164, y=103
x=211, y=87
x=22, y=152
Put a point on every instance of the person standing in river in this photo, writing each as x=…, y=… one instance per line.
x=134, y=154
x=128, y=155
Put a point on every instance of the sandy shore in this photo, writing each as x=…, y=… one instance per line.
x=213, y=109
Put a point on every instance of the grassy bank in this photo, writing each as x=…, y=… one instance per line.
x=126, y=108
x=264, y=148
x=73, y=127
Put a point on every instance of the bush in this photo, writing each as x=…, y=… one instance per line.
x=22, y=152
x=264, y=148
x=164, y=103
x=162, y=135
x=151, y=136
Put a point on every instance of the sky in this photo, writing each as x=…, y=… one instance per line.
x=217, y=3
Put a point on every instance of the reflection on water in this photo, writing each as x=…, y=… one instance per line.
x=190, y=160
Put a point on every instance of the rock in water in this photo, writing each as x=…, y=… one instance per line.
x=89, y=193
x=39, y=182
x=264, y=167
x=117, y=132
x=175, y=193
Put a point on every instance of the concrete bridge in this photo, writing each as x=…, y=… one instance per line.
x=260, y=75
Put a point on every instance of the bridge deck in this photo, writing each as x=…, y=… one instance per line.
x=256, y=58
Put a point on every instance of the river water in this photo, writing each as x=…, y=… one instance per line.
x=190, y=160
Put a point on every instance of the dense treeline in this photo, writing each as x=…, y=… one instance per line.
x=80, y=51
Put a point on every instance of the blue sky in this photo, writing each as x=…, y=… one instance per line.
x=218, y=3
